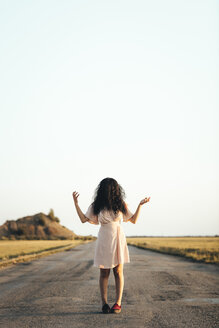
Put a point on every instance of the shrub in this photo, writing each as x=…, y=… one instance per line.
x=52, y=216
x=19, y=232
x=41, y=219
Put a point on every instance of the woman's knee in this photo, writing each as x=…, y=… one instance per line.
x=118, y=270
x=104, y=273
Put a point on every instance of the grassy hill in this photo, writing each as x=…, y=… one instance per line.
x=39, y=226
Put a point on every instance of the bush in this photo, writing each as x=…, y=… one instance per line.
x=41, y=219
x=52, y=216
x=19, y=232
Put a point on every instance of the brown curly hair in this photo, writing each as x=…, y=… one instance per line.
x=109, y=195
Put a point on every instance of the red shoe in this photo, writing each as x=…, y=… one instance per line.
x=116, y=308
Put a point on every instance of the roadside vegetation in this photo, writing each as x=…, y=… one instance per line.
x=205, y=249
x=13, y=251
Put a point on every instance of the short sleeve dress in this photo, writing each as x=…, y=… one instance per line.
x=111, y=246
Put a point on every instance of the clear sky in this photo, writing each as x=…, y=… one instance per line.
x=122, y=89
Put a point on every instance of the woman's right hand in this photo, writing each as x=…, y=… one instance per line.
x=75, y=195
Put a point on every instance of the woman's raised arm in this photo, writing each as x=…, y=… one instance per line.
x=81, y=215
x=135, y=216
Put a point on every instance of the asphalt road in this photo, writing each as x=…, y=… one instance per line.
x=62, y=290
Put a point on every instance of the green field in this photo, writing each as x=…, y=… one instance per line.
x=13, y=251
x=204, y=249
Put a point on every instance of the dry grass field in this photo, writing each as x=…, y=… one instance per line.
x=204, y=249
x=12, y=251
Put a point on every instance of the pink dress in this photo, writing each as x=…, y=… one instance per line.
x=111, y=246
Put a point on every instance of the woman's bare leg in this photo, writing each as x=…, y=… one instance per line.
x=119, y=281
x=104, y=277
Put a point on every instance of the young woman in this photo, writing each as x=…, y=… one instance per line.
x=108, y=209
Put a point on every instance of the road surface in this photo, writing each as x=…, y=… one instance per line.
x=62, y=290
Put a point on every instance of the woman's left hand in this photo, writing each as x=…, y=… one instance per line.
x=145, y=200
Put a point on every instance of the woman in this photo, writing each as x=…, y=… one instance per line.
x=108, y=209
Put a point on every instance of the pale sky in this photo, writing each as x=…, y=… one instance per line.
x=122, y=89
